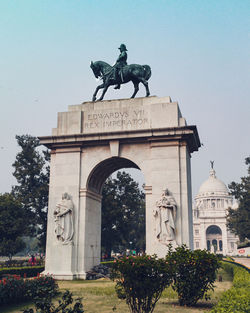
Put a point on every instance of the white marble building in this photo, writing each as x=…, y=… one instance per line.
x=209, y=217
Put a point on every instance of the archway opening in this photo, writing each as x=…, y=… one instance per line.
x=119, y=181
x=104, y=169
x=214, y=238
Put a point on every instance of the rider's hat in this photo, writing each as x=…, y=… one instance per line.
x=123, y=47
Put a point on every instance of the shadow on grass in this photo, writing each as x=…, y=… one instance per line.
x=16, y=308
x=199, y=305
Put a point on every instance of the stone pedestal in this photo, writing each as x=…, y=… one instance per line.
x=94, y=139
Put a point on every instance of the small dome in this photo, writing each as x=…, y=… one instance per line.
x=213, y=185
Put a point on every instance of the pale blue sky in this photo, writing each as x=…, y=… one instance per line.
x=198, y=52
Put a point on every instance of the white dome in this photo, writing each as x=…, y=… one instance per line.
x=213, y=185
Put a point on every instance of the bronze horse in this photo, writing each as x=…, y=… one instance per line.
x=133, y=72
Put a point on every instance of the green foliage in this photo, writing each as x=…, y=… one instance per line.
x=229, y=268
x=27, y=271
x=44, y=305
x=15, y=289
x=236, y=264
x=123, y=214
x=194, y=273
x=20, y=263
x=244, y=244
x=141, y=281
x=40, y=287
x=238, y=220
x=32, y=175
x=241, y=278
x=237, y=298
x=12, y=225
x=108, y=264
x=12, y=290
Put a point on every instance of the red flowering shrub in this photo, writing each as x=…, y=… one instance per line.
x=141, y=281
x=41, y=287
x=11, y=290
x=14, y=289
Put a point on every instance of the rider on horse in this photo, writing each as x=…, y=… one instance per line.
x=120, y=73
x=120, y=63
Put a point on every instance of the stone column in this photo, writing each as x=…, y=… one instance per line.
x=89, y=233
x=169, y=167
x=224, y=238
x=203, y=236
x=64, y=177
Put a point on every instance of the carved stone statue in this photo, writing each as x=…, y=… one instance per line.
x=212, y=249
x=120, y=73
x=63, y=215
x=165, y=216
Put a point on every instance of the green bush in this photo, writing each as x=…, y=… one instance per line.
x=141, y=281
x=16, y=289
x=194, y=273
x=236, y=299
x=40, y=287
x=241, y=278
x=45, y=305
x=12, y=290
x=237, y=264
x=27, y=271
x=229, y=268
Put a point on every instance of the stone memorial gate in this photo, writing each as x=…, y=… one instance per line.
x=91, y=141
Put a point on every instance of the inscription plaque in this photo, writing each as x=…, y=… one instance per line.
x=110, y=120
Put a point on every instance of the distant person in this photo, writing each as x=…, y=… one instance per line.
x=32, y=260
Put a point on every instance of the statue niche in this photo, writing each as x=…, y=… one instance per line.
x=63, y=215
x=165, y=218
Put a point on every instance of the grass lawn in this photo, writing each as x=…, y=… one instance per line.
x=99, y=297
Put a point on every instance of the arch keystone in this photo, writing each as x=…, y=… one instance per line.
x=114, y=148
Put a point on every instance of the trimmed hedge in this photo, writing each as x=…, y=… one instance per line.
x=109, y=264
x=234, y=300
x=237, y=298
x=27, y=271
x=241, y=278
x=20, y=263
x=237, y=264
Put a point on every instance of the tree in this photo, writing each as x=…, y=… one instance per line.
x=12, y=225
x=141, y=280
x=194, y=273
x=238, y=220
x=32, y=175
x=123, y=214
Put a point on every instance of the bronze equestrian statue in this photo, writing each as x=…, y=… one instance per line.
x=120, y=73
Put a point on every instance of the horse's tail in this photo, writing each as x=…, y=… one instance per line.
x=147, y=71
